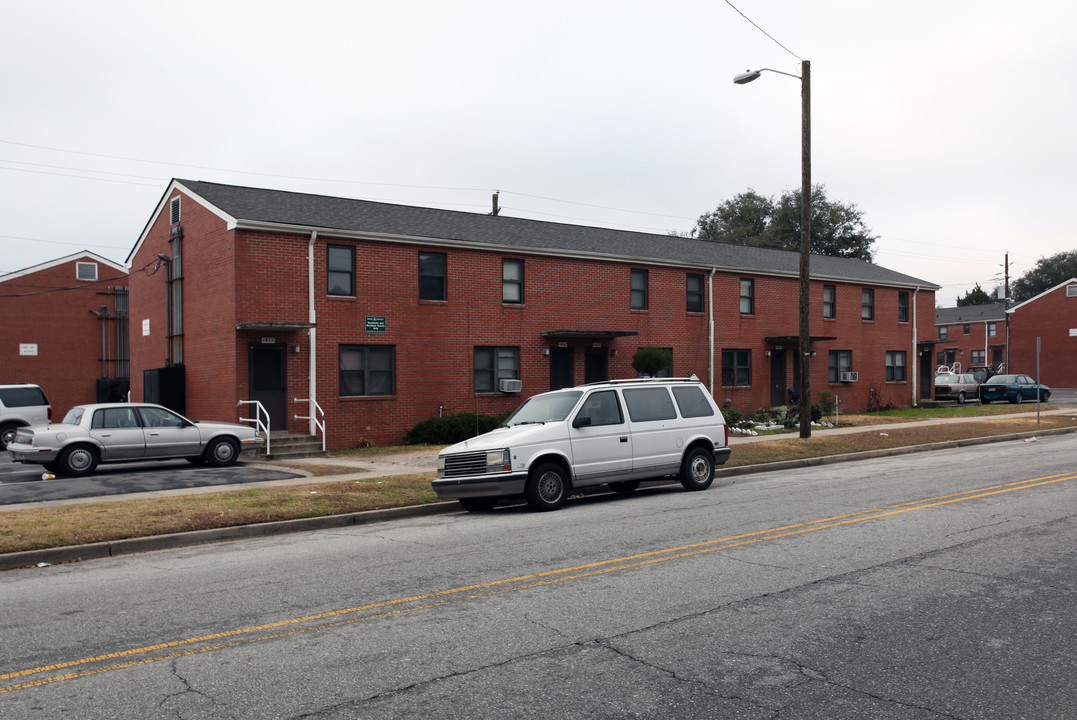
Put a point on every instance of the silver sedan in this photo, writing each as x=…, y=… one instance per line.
x=127, y=432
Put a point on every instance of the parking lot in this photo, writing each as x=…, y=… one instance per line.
x=21, y=484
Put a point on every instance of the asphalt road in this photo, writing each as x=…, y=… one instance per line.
x=20, y=484
x=921, y=586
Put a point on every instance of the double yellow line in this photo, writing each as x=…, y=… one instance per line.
x=47, y=674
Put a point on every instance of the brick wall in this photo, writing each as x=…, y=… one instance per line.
x=1052, y=318
x=62, y=324
x=242, y=276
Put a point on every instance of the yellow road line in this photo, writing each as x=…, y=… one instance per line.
x=335, y=618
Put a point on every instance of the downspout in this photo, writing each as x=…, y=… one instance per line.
x=710, y=329
x=915, y=352
x=312, y=379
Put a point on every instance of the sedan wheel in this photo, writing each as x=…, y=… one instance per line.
x=222, y=452
x=547, y=488
x=77, y=461
x=1046, y=396
x=961, y=398
x=1017, y=398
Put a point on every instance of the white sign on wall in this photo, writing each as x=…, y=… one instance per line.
x=27, y=348
x=146, y=327
x=1073, y=332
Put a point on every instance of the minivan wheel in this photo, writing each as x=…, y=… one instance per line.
x=697, y=469
x=547, y=487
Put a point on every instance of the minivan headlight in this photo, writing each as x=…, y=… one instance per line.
x=498, y=461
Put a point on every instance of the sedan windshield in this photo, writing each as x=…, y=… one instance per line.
x=74, y=416
x=1002, y=380
x=550, y=407
x=948, y=380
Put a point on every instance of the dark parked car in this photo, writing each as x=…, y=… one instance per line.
x=1014, y=388
x=956, y=387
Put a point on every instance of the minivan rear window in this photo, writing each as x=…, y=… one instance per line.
x=692, y=402
x=22, y=397
x=646, y=404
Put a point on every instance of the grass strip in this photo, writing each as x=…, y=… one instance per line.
x=75, y=524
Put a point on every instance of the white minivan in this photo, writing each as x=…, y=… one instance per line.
x=617, y=433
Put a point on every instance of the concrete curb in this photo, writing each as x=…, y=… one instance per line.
x=115, y=548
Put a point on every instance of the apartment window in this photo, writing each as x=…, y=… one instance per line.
x=639, y=289
x=747, y=296
x=694, y=293
x=979, y=357
x=736, y=368
x=367, y=370
x=895, y=366
x=340, y=270
x=1071, y=291
x=867, y=304
x=944, y=332
x=512, y=281
x=829, y=301
x=839, y=361
x=433, y=276
x=903, y=307
x=992, y=330
x=494, y=364
x=86, y=271
x=968, y=329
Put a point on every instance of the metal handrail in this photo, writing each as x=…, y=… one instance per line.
x=259, y=410
x=314, y=406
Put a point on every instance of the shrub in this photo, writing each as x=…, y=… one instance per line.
x=732, y=417
x=449, y=429
x=649, y=360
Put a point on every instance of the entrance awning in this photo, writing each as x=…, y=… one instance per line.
x=587, y=334
x=263, y=325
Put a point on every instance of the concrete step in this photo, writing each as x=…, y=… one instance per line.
x=286, y=445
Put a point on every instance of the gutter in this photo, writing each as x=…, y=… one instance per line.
x=710, y=329
x=312, y=378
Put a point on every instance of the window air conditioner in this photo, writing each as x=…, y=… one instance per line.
x=848, y=377
x=511, y=386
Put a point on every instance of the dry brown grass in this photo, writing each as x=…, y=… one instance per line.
x=116, y=519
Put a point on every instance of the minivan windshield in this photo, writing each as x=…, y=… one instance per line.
x=549, y=407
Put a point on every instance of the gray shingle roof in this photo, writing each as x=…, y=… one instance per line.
x=361, y=216
x=993, y=312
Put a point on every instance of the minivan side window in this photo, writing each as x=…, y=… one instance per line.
x=692, y=402
x=603, y=408
x=649, y=404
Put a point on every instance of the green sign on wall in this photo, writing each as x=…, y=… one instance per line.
x=375, y=324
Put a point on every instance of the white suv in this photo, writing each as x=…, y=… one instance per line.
x=21, y=405
x=618, y=432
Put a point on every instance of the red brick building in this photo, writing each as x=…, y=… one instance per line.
x=971, y=335
x=64, y=327
x=1050, y=317
x=388, y=315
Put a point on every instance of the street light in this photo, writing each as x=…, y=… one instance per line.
x=805, y=233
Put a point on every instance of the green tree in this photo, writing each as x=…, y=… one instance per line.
x=976, y=296
x=649, y=360
x=1049, y=271
x=749, y=218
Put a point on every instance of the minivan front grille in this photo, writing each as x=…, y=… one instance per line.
x=460, y=464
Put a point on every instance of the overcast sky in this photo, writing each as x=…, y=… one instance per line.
x=948, y=122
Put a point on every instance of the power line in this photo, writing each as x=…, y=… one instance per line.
x=783, y=47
